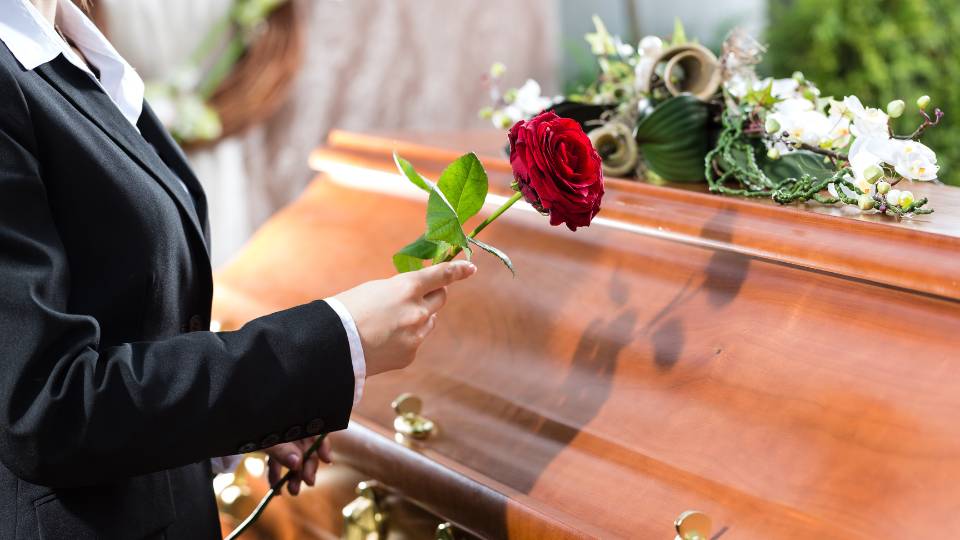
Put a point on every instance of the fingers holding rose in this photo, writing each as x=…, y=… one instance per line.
x=291, y=456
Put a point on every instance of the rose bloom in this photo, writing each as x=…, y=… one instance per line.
x=557, y=169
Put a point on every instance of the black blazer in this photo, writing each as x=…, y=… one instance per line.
x=113, y=394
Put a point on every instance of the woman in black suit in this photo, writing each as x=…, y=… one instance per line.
x=114, y=395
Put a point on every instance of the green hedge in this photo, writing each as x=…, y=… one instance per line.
x=879, y=50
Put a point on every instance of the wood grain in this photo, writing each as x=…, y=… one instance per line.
x=686, y=352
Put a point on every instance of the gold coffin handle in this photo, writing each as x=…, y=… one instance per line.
x=693, y=525
x=409, y=422
x=363, y=518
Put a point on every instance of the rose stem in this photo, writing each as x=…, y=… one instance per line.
x=274, y=490
x=497, y=213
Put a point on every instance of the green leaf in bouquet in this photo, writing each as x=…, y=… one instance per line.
x=795, y=165
x=411, y=257
x=406, y=169
x=679, y=34
x=762, y=97
x=443, y=224
x=495, y=252
x=464, y=184
x=674, y=139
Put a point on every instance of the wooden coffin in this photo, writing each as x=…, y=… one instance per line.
x=791, y=372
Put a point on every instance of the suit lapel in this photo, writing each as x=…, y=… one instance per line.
x=80, y=90
x=153, y=131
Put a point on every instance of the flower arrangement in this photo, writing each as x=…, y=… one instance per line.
x=673, y=110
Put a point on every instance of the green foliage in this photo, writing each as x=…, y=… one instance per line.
x=456, y=197
x=762, y=97
x=443, y=224
x=879, y=50
x=796, y=165
x=464, y=182
x=679, y=34
x=407, y=170
x=674, y=139
x=411, y=257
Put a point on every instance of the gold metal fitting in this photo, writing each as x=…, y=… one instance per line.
x=409, y=422
x=693, y=525
x=363, y=519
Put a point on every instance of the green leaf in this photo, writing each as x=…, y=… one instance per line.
x=762, y=97
x=679, y=34
x=495, y=252
x=464, y=184
x=674, y=139
x=406, y=169
x=795, y=165
x=412, y=255
x=443, y=249
x=443, y=224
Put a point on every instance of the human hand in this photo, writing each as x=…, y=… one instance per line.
x=290, y=455
x=393, y=316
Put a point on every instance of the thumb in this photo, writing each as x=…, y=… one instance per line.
x=443, y=274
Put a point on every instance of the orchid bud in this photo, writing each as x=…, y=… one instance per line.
x=497, y=70
x=865, y=202
x=773, y=154
x=923, y=102
x=906, y=200
x=895, y=108
x=872, y=174
x=486, y=113
x=798, y=76
x=893, y=197
x=883, y=187
x=771, y=125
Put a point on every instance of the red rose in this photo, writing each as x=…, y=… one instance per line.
x=557, y=169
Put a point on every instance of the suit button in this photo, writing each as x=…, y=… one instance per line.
x=247, y=448
x=269, y=440
x=293, y=434
x=314, y=426
x=196, y=323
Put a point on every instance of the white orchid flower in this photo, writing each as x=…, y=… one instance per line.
x=918, y=168
x=529, y=99
x=784, y=88
x=803, y=123
x=867, y=121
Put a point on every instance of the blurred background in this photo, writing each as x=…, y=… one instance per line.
x=317, y=65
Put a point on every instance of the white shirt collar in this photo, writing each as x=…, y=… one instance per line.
x=34, y=42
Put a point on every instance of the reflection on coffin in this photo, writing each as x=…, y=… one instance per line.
x=790, y=372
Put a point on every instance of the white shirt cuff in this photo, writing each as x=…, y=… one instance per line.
x=356, y=347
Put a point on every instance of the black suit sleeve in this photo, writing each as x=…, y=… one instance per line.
x=74, y=412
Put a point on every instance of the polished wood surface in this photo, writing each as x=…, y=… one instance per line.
x=790, y=372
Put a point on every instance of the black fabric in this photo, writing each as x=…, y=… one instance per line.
x=111, y=401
